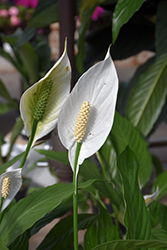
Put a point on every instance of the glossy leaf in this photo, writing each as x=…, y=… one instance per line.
x=131, y=245
x=124, y=10
x=136, y=217
x=88, y=170
x=123, y=134
x=102, y=231
x=161, y=183
x=30, y=209
x=161, y=29
x=64, y=232
x=57, y=212
x=148, y=98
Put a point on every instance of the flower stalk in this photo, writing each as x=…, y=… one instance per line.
x=30, y=142
x=75, y=197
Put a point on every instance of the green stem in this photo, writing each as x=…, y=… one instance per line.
x=2, y=198
x=75, y=197
x=30, y=141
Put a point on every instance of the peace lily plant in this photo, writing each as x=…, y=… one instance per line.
x=86, y=118
x=41, y=103
x=39, y=108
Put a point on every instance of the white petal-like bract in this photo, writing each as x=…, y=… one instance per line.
x=98, y=86
x=15, y=185
x=60, y=78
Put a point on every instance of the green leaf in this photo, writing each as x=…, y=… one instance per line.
x=30, y=61
x=3, y=91
x=136, y=216
x=2, y=245
x=21, y=242
x=122, y=134
x=55, y=155
x=161, y=183
x=131, y=245
x=158, y=214
x=59, y=211
x=108, y=161
x=124, y=10
x=45, y=13
x=30, y=209
x=147, y=99
x=88, y=170
x=102, y=231
x=161, y=29
x=6, y=165
x=64, y=232
x=159, y=234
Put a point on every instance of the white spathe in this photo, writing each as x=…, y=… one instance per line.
x=99, y=86
x=15, y=185
x=60, y=75
x=150, y=198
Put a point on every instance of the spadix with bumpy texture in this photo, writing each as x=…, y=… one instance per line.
x=82, y=120
x=43, y=100
x=10, y=184
x=5, y=189
x=98, y=86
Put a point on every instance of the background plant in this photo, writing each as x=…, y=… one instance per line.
x=121, y=170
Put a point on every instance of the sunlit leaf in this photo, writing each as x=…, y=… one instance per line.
x=30, y=209
x=148, y=98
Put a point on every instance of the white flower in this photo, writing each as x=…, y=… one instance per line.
x=149, y=198
x=10, y=184
x=98, y=88
x=43, y=100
